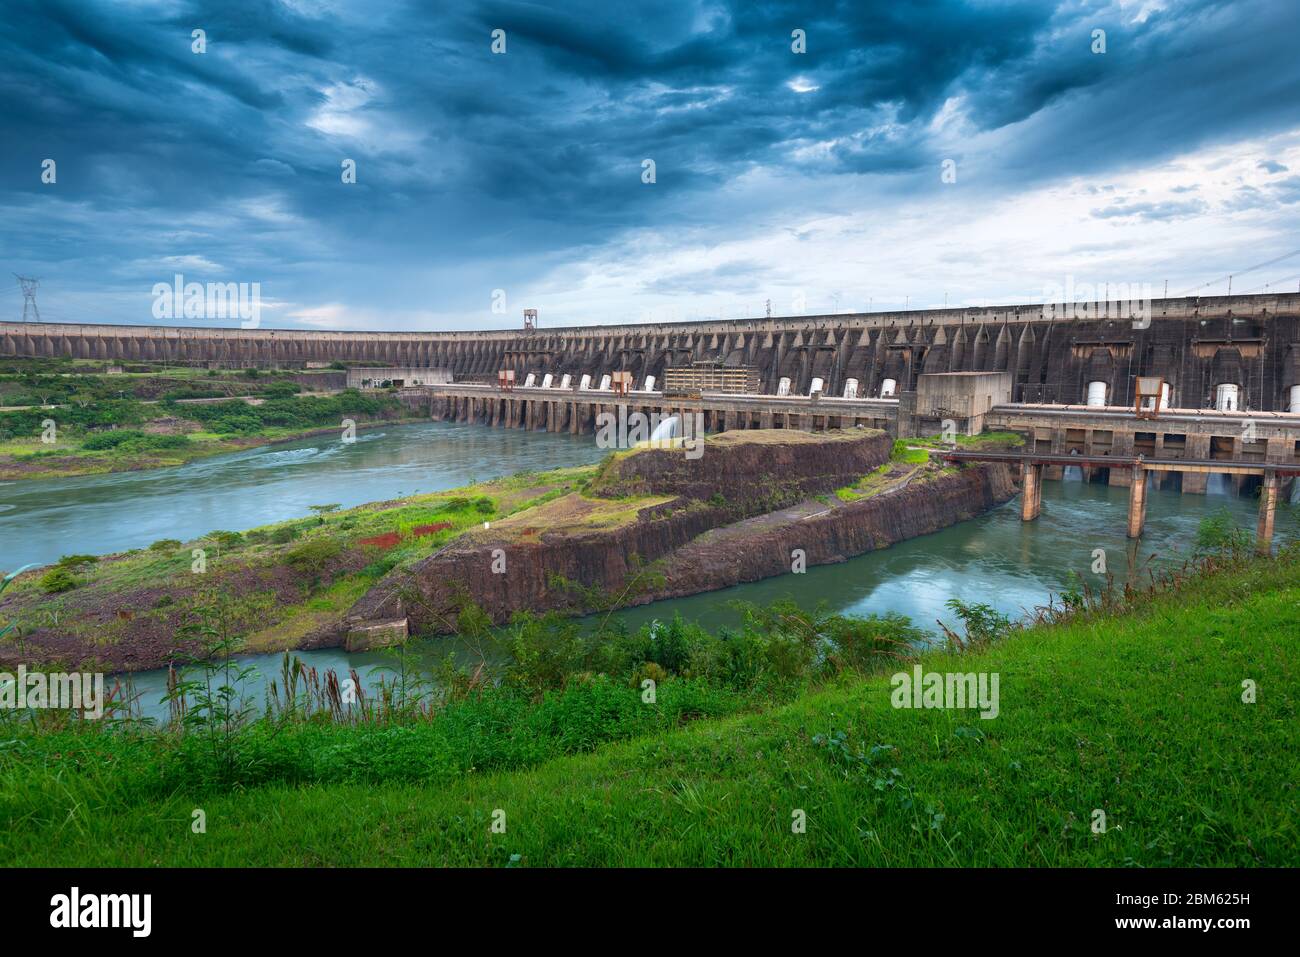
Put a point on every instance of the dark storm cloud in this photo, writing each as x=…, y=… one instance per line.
x=481, y=170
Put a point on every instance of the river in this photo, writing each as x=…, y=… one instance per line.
x=41, y=520
x=996, y=559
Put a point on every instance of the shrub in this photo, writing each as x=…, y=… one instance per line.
x=75, y=561
x=58, y=580
x=110, y=440
x=191, y=392
x=227, y=539
x=1219, y=533
x=544, y=651
x=284, y=534
x=237, y=424
x=983, y=623
x=165, y=545
x=864, y=643
x=133, y=440
x=313, y=553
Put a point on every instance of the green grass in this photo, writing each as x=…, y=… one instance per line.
x=1139, y=715
x=903, y=452
x=983, y=440
x=886, y=476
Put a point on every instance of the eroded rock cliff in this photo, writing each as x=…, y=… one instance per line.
x=657, y=524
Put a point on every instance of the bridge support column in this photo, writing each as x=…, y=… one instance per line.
x=1137, y=501
x=1267, y=512
x=1121, y=446
x=1197, y=447
x=1031, y=491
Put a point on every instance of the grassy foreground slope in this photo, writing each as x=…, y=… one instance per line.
x=1141, y=717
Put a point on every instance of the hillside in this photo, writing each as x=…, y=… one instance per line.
x=1136, y=714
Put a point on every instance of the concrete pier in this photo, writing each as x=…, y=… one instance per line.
x=1031, y=491
x=1137, y=501
x=1267, y=513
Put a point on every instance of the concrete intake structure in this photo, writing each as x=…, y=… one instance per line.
x=1054, y=354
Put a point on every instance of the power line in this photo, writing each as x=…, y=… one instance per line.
x=1275, y=282
x=1228, y=278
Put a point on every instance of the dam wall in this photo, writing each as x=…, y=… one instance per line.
x=1055, y=355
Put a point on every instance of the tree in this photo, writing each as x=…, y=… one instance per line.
x=323, y=510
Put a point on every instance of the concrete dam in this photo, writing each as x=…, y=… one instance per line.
x=1230, y=353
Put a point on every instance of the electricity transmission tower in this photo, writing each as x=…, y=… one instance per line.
x=29, y=295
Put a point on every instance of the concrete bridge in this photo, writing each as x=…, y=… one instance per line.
x=576, y=411
x=1182, y=445
x=1094, y=438
x=1239, y=352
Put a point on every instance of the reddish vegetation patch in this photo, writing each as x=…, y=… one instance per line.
x=386, y=540
x=433, y=529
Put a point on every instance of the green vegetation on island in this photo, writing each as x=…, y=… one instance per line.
x=81, y=420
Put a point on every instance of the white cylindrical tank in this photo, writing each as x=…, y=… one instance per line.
x=584, y=385
x=566, y=381
x=1096, y=393
x=546, y=381
x=783, y=387
x=851, y=389
x=816, y=386
x=649, y=383
x=1295, y=398
x=888, y=388
x=1226, y=396
x=528, y=382
x=604, y=382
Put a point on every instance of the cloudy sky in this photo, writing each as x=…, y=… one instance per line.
x=979, y=151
